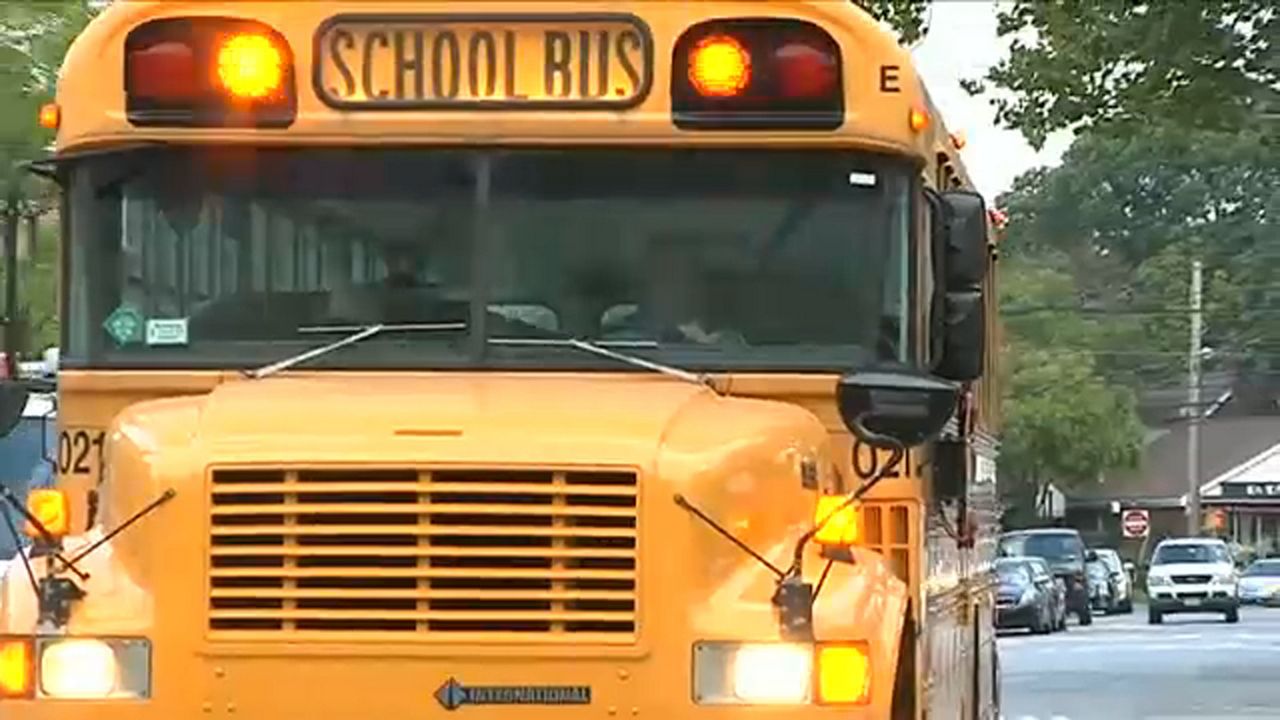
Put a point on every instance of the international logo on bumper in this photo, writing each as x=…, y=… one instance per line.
x=453, y=695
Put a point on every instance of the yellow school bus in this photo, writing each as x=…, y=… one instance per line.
x=609, y=360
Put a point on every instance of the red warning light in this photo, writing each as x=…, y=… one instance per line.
x=805, y=71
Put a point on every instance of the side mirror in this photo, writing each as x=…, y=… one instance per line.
x=13, y=400
x=890, y=405
x=1129, y=567
x=961, y=255
x=1091, y=556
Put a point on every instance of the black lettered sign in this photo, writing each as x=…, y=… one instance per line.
x=370, y=62
x=1257, y=490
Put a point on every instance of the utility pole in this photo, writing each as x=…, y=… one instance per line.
x=9, y=251
x=1193, y=402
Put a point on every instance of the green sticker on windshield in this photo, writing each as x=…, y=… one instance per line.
x=125, y=325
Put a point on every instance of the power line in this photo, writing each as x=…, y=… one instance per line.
x=1126, y=312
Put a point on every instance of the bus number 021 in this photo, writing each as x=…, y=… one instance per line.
x=80, y=451
x=867, y=461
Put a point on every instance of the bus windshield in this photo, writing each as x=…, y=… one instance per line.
x=730, y=259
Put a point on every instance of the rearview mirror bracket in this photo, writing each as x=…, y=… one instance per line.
x=894, y=404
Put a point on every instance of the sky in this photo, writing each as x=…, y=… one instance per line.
x=962, y=43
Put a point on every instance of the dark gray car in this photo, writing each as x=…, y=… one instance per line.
x=1064, y=551
x=1024, y=598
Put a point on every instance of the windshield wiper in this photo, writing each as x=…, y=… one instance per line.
x=599, y=348
x=361, y=333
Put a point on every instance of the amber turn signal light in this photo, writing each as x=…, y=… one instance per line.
x=16, y=668
x=838, y=520
x=844, y=674
x=53, y=511
x=50, y=116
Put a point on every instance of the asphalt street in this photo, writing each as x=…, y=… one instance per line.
x=1120, y=668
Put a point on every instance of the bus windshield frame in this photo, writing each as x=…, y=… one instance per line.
x=817, y=248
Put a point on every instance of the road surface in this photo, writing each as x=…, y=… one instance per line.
x=1120, y=668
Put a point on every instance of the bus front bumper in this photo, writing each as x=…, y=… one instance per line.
x=358, y=688
x=300, y=708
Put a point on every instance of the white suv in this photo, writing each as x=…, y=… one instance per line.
x=1192, y=575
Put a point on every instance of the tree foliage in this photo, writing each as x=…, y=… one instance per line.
x=1207, y=64
x=1065, y=423
x=1128, y=213
x=907, y=17
x=33, y=39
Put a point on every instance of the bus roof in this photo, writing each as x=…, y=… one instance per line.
x=880, y=82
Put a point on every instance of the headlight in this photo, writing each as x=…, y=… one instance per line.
x=781, y=674
x=93, y=669
x=1027, y=597
x=773, y=673
x=79, y=669
x=1158, y=580
x=1224, y=579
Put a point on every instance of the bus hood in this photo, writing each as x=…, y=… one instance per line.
x=473, y=418
x=477, y=420
x=746, y=462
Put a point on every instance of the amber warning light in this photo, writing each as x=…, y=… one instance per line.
x=757, y=74
x=250, y=66
x=719, y=66
x=209, y=72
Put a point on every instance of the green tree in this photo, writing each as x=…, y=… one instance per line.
x=1064, y=422
x=34, y=37
x=1129, y=213
x=907, y=17
x=1210, y=64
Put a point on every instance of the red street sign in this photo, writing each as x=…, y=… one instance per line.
x=1135, y=523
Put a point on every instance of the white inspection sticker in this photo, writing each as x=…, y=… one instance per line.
x=168, y=331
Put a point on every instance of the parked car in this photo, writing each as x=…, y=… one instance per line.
x=1121, y=582
x=23, y=464
x=1059, y=595
x=1260, y=583
x=1024, y=598
x=1101, y=586
x=1190, y=575
x=1066, y=555
x=46, y=368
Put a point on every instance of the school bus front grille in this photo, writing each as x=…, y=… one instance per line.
x=443, y=554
